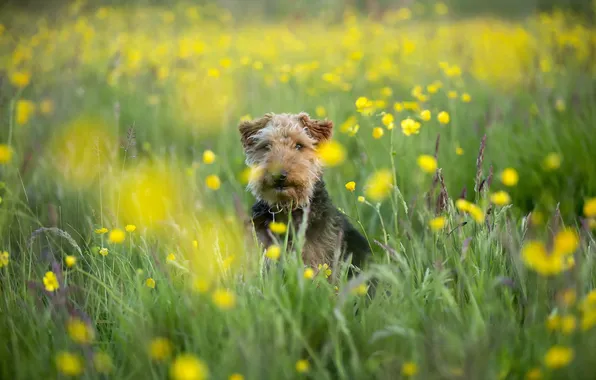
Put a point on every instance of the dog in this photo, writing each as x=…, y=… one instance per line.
x=289, y=188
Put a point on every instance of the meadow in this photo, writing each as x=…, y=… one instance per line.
x=463, y=149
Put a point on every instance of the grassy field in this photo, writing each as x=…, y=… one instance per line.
x=123, y=252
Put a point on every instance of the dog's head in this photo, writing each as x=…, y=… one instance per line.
x=282, y=150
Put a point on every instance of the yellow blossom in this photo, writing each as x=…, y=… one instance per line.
x=325, y=269
x=213, y=182
x=320, y=111
x=4, y=259
x=273, y=252
x=558, y=357
x=236, y=376
x=130, y=228
x=536, y=257
x=309, y=273
x=590, y=208
x=331, y=153
x=20, y=79
x=360, y=289
x=388, y=120
x=500, y=198
x=552, y=162
x=24, y=110
x=427, y=163
x=565, y=242
x=224, y=299
x=459, y=151
x=208, y=157
x=534, y=374
x=79, y=331
x=378, y=132
x=425, y=115
x=116, y=236
x=443, y=117
x=476, y=213
x=568, y=324
x=410, y=127
x=69, y=364
x=302, y=366
x=361, y=199
x=150, y=283
x=103, y=251
x=462, y=205
x=160, y=349
x=409, y=369
x=188, y=367
x=553, y=322
x=568, y=297
x=171, y=257
x=466, y=98
x=102, y=363
x=452, y=94
x=509, y=177
x=398, y=107
x=351, y=186
x=438, y=223
x=50, y=282
x=379, y=185
x=5, y=154
x=101, y=231
x=278, y=228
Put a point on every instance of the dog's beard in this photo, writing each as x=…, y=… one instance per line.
x=290, y=196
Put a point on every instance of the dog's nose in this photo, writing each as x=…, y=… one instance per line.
x=279, y=179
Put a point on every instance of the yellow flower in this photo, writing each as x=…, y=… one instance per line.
x=425, y=115
x=24, y=110
x=309, y=273
x=534, y=374
x=130, y=228
x=361, y=199
x=536, y=257
x=351, y=186
x=331, y=153
x=213, y=182
x=441, y=9
x=466, y=98
x=188, y=367
x=452, y=94
x=398, y=107
x=476, y=213
x=5, y=154
x=102, y=363
x=588, y=319
x=320, y=111
x=208, y=157
x=568, y=324
x=558, y=357
x=360, y=290
x=553, y=322
x=443, y=117
x=69, y=364
x=4, y=259
x=459, y=151
x=224, y=299
x=409, y=369
x=410, y=127
x=427, y=163
x=386, y=92
x=236, y=376
x=552, y=162
x=325, y=270
x=500, y=198
x=302, y=366
x=379, y=185
x=103, y=251
x=565, y=242
x=101, y=231
x=462, y=205
x=116, y=236
x=590, y=208
x=362, y=103
x=388, y=120
x=378, y=132
x=509, y=177
x=171, y=257
x=160, y=349
x=437, y=223
x=273, y=252
x=20, y=79
x=278, y=228
x=150, y=283
x=50, y=282
x=79, y=331
x=568, y=297
x=201, y=285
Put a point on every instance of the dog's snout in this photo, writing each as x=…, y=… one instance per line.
x=280, y=178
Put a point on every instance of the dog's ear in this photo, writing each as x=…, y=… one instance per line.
x=249, y=128
x=320, y=130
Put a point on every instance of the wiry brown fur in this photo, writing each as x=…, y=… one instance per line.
x=277, y=144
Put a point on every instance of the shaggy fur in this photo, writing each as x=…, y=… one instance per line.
x=289, y=187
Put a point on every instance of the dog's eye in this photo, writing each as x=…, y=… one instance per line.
x=299, y=146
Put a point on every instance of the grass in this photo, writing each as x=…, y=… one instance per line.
x=123, y=103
